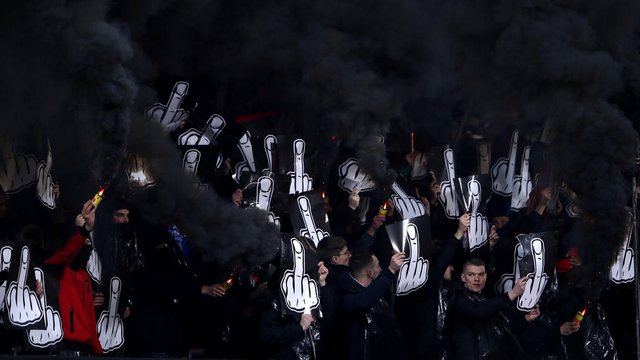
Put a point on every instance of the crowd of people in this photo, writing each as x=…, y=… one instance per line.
x=164, y=302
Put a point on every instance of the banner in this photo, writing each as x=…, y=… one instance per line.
x=308, y=216
x=22, y=306
x=299, y=288
x=623, y=269
x=473, y=200
x=534, y=256
x=413, y=237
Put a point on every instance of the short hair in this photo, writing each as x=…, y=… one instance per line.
x=329, y=247
x=475, y=262
x=360, y=262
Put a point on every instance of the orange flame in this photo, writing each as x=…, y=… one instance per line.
x=584, y=311
x=383, y=209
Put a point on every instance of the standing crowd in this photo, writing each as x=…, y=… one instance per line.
x=171, y=304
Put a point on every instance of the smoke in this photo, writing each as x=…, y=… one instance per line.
x=561, y=62
x=333, y=69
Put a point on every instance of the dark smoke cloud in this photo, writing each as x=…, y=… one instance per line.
x=66, y=78
x=561, y=62
x=81, y=69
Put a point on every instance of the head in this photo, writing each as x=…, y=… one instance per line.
x=229, y=190
x=334, y=250
x=365, y=267
x=120, y=216
x=474, y=275
x=498, y=209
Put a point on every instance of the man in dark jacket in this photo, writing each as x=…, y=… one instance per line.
x=476, y=327
x=365, y=290
x=417, y=312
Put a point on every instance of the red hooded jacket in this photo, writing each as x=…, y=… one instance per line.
x=76, y=296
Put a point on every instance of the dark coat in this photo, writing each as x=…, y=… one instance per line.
x=418, y=312
x=357, y=305
x=476, y=329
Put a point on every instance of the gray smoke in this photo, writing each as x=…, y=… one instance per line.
x=82, y=70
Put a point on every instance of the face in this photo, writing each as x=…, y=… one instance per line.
x=236, y=197
x=374, y=270
x=500, y=221
x=342, y=258
x=120, y=216
x=474, y=277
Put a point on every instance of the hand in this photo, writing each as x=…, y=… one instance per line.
x=214, y=290
x=493, y=236
x=323, y=272
x=396, y=262
x=300, y=291
x=414, y=272
x=22, y=303
x=89, y=215
x=310, y=230
x=306, y=320
x=354, y=198
x=533, y=314
x=19, y=170
x=623, y=270
x=246, y=149
x=170, y=116
x=45, y=183
x=110, y=327
x=535, y=284
x=408, y=206
x=522, y=184
x=270, y=148
x=503, y=170
x=300, y=181
x=52, y=333
x=569, y=328
x=215, y=125
x=463, y=226
x=39, y=289
x=351, y=176
x=518, y=288
x=377, y=221
x=447, y=193
x=94, y=266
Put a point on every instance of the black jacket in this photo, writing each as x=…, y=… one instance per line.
x=476, y=330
